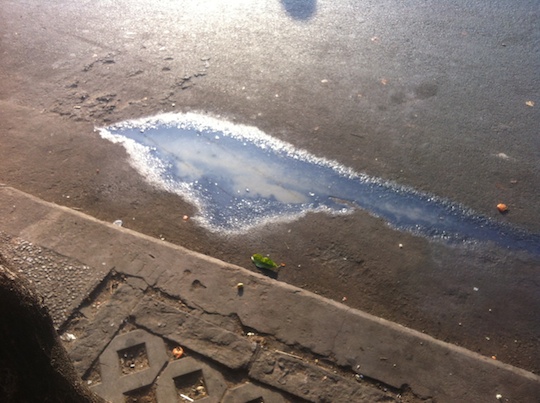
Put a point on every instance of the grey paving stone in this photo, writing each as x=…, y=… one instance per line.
x=62, y=282
x=231, y=322
x=113, y=384
x=309, y=381
x=249, y=392
x=166, y=390
x=95, y=333
x=216, y=343
x=136, y=282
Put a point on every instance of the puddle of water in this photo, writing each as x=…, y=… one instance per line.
x=239, y=177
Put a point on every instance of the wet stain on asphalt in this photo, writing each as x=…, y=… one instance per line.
x=240, y=178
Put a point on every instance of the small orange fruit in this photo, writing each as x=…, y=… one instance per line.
x=503, y=208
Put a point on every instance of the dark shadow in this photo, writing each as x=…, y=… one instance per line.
x=269, y=273
x=300, y=9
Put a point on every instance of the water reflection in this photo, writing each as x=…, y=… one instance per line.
x=240, y=177
x=300, y=9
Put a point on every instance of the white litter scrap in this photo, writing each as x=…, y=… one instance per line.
x=68, y=337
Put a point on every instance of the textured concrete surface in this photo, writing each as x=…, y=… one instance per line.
x=165, y=289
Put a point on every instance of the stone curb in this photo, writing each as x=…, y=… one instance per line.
x=374, y=347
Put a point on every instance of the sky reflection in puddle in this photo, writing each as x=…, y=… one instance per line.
x=239, y=177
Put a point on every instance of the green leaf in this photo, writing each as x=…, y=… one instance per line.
x=263, y=262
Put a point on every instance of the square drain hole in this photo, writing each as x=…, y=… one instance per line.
x=146, y=394
x=133, y=359
x=191, y=386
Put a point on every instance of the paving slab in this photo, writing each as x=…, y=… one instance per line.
x=194, y=333
x=113, y=384
x=56, y=277
x=94, y=332
x=373, y=347
x=308, y=380
x=249, y=392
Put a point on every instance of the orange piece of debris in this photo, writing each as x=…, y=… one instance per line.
x=503, y=208
x=178, y=352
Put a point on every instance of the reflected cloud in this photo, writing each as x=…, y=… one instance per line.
x=300, y=9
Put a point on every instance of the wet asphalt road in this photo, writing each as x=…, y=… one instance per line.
x=425, y=93
x=440, y=96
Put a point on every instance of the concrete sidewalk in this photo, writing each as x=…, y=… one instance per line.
x=267, y=340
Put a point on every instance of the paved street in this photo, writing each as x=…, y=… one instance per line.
x=426, y=94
